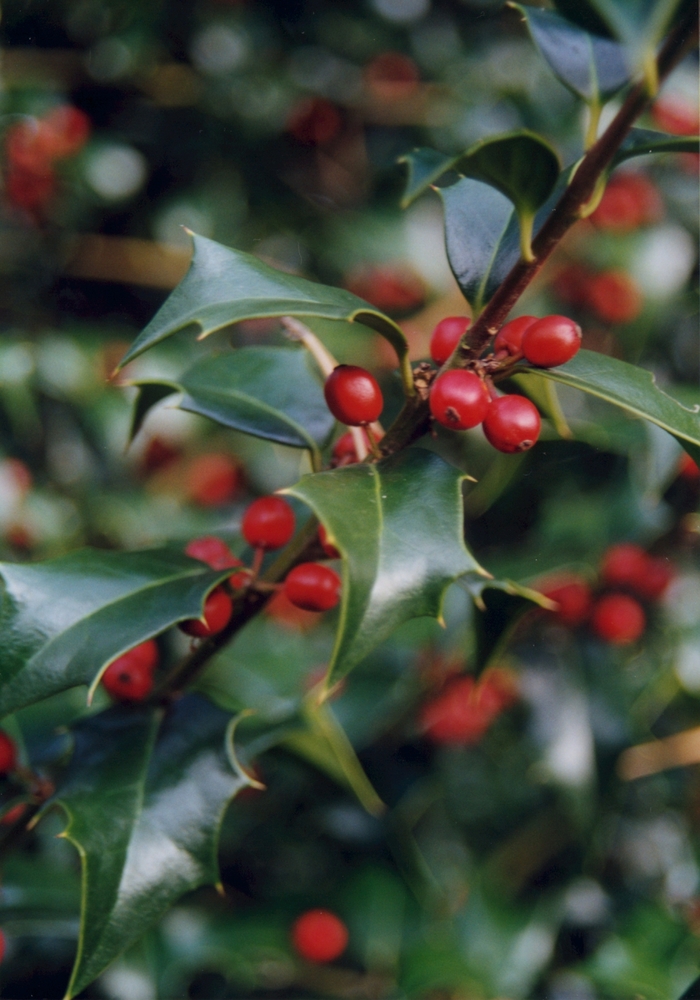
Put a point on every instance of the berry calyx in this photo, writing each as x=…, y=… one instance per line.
x=353, y=395
x=512, y=424
x=510, y=337
x=211, y=550
x=312, y=587
x=268, y=523
x=130, y=676
x=618, y=619
x=551, y=341
x=329, y=549
x=217, y=614
x=319, y=936
x=572, y=594
x=623, y=565
x=8, y=753
x=459, y=399
x=446, y=335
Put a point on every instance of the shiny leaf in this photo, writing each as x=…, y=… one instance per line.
x=225, y=286
x=270, y=392
x=642, y=141
x=425, y=167
x=592, y=67
x=63, y=620
x=145, y=796
x=632, y=388
x=502, y=603
x=399, y=526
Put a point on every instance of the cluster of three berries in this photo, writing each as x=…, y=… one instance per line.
x=460, y=399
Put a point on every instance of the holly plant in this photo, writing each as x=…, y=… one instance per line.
x=373, y=531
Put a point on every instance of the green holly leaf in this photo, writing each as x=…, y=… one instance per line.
x=632, y=388
x=224, y=286
x=593, y=67
x=642, y=141
x=63, y=621
x=269, y=392
x=425, y=167
x=399, y=527
x=145, y=795
x=502, y=604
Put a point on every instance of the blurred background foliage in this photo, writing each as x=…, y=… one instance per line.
x=529, y=862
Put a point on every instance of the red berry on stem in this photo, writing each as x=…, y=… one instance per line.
x=268, y=523
x=551, y=341
x=329, y=549
x=319, y=936
x=688, y=468
x=353, y=395
x=217, y=614
x=8, y=753
x=512, y=424
x=623, y=565
x=510, y=337
x=572, y=594
x=459, y=399
x=312, y=587
x=446, y=336
x=130, y=676
x=618, y=619
x=211, y=550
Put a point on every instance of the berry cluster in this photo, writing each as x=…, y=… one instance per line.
x=613, y=609
x=33, y=146
x=465, y=709
x=461, y=399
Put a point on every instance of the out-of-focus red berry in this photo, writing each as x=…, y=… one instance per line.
x=394, y=288
x=496, y=690
x=614, y=297
x=570, y=283
x=313, y=587
x=319, y=936
x=353, y=395
x=268, y=523
x=512, y=424
x=212, y=479
x=630, y=200
x=551, y=341
x=3, y=945
x=211, y=550
x=618, y=619
x=8, y=753
x=344, y=452
x=510, y=337
x=63, y=131
x=11, y=817
x=455, y=715
x=28, y=190
x=572, y=594
x=623, y=565
x=130, y=676
x=314, y=121
x=217, y=614
x=673, y=113
x=158, y=454
x=391, y=76
x=446, y=335
x=688, y=468
x=329, y=549
x=289, y=616
x=656, y=578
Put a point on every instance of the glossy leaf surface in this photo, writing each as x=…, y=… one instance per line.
x=642, y=141
x=270, y=392
x=64, y=620
x=425, y=166
x=591, y=66
x=399, y=526
x=145, y=796
x=632, y=388
x=225, y=286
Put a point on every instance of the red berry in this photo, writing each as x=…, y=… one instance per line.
x=618, y=619
x=8, y=753
x=391, y=76
x=268, y=523
x=630, y=200
x=319, y=936
x=459, y=399
x=344, y=452
x=329, y=549
x=512, y=424
x=313, y=587
x=446, y=336
x=353, y=395
x=63, y=131
x=675, y=114
x=496, y=689
x=655, y=580
x=213, y=552
x=688, y=468
x=623, y=565
x=510, y=337
x=212, y=479
x=288, y=615
x=29, y=190
x=572, y=594
x=9, y=818
x=455, y=716
x=551, y=341
x=614, y=297
x=3, y=945
x=217, y=613
x=394, y=288
x=314, y=121
x=130, y=676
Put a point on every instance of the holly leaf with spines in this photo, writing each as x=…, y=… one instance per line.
x=269, y=392
x=145, y=793
x=643, y=141
x=224, y=286
x=632, y=388
x=591, y=66
x=63, y=621
x=399, y=525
